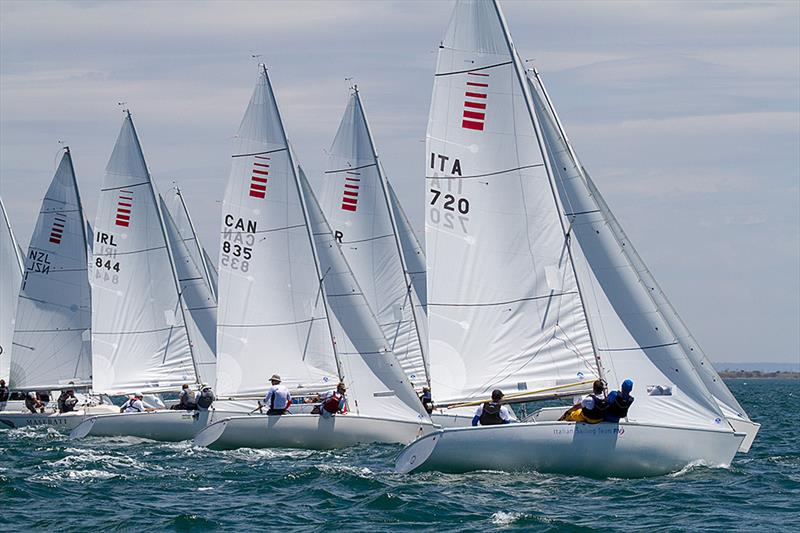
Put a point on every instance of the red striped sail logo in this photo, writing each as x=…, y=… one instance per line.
x=351, y=185
x=258, y=178
x=475, y=101
x=124, y=207
x=57, y=230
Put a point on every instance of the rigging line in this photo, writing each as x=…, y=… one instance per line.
x=270, y=325
x=473, y=176
x=125, y=186
x=271, y=230
x=472, y=69
x=367, y=240
x=350, y=169
x=639, y=347
x=488, y=304
x=582, y=213
x=117, y=253
x=261, y=153
x=157, y=330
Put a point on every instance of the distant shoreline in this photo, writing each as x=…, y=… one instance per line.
x=756, y=374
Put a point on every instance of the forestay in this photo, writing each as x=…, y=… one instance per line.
x=52, y=339
x=355, y=199
x=503, y=302
x=139, y=336
x=11, y=268
x=637, y=332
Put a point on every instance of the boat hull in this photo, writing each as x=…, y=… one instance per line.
x=307, y=431
x=596, y=450
x=59, y=421
x=166, y=425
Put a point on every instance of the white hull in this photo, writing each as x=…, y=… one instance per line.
x=453, y=418
x=749, y=428
x=595, y=450
x=165, y=425
x=61, y=422
x=307, y=431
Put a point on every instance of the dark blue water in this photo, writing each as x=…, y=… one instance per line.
x=47, y=482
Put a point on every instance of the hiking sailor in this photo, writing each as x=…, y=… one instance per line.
x=205, y=398
x=4, y=394
x=277, y=398
x=492, y=413
x=186, y=400
x=334, y=402
x=67, y=401
x=134, y=404
x=619, y=402
x=591, y=409
x=426, y=399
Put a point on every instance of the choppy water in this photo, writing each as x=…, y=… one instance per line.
x=47, y=482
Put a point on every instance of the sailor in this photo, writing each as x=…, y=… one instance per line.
x=34, y=402
x=277, y=398
x=134, y=404
x=205, y=398
x=591, y=409
x=426, y=399
x=4, y=394
x=186, y=400
x=619, y=402
x=334, y=402
x=492, y=413
x=67, y=401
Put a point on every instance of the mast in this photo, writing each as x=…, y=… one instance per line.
x=202, y=255
x=15, y=246
x=545, y=157
x=175, y=280
x=384, y=188
x=304, y=209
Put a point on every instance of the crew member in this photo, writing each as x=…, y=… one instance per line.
x=34, y=402
x=67, y=401
x=4, y=395
x=186, y=400
x=277, y=398
x=619, y=402
x=334, y=402
x=426, y=399
x=205, y=398
x=591, y=409
x=492, y=413
x=134, y=404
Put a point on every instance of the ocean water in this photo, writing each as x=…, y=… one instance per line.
x=124, y=484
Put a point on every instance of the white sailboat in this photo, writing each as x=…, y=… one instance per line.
x=531, y=292
x=355, y=197
x=288, y=304
x=152, y=307
x=52, y=335
x=12, y=266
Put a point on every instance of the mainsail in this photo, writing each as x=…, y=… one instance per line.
x=504, y=305
x=638, y=331
x=52, y=339
x=356, y=201
x=288, y=303
x=139, y=332
x=11, y=269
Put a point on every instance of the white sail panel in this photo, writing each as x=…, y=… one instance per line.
x=271, y=314
x=377, y=383
x=11, y=268
x=52, y=339
x=413, y=252
x=503, y=304
x=356, y=203
x=632, y=336
x=138, y=333
x=200, y=305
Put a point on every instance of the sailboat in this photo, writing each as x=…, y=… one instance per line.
x=11, y=263
x=289, y=304
x=153, y=311
x=533, y=289
x=52, y=335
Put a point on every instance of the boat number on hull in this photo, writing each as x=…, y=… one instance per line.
x=238, y=238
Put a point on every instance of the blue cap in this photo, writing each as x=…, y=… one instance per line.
x=627, y=385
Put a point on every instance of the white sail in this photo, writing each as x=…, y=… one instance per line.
x=637, y=331
x=413, y=253
x=139, y=336
x=52, y=337
x=176, y=205
x=200, y=304
x=355, y=200
x=11, y=269
x=503, y=302
x=377, y=383
x=271, y=315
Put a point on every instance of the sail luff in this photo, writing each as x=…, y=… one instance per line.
x=409, y=285
x=11, y=278
x=522, y=79
x=201, y=253
x=414, y=262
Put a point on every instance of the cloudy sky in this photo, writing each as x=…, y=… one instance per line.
x=687, y=115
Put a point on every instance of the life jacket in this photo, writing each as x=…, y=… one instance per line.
x=62, y=402
x=205, y=399
x=490, y=414
x=4, y=394
x=619, y=407
x=332, y=404
x=596, y=413
x=130, y=405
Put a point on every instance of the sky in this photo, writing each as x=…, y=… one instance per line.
x=686, y=114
